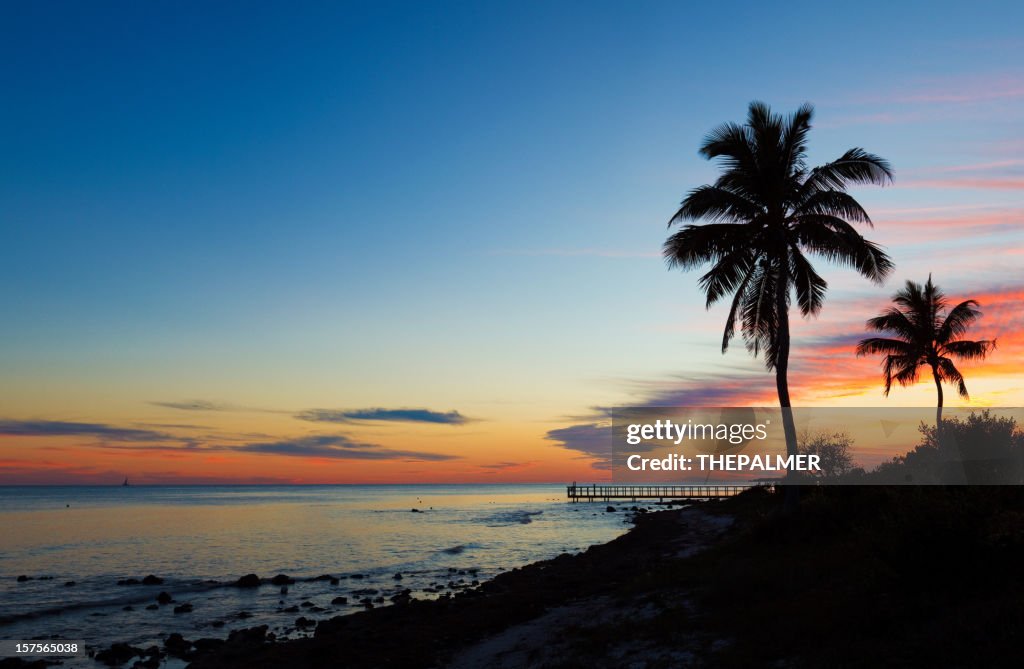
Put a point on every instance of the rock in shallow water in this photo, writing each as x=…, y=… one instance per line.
x=177, y=645
x=248, y=581
x=119, y=653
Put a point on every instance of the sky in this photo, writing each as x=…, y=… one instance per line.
x=420, y=242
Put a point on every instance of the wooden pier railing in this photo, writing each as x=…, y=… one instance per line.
x=594, y=492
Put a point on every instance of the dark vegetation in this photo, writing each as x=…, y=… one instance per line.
x=869, y=576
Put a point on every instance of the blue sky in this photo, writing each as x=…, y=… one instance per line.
x=451, y=205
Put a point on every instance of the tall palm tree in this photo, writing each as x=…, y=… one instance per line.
x=925, y=334
x=765, y=213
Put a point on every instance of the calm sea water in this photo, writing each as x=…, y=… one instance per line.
x=199, y=537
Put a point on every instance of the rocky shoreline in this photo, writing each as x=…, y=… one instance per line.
x=469, y=627
x=428, y=633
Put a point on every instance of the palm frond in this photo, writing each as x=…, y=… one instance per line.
x=809, y=285
x=727, y=274
x=958, y=321
x=894, y=347
x=844, y=245
x=856, y=166
x=948, y=372
x=834, y=203
x=969, y=350
x=895, y=321
x=694, y=245
x=717, y=205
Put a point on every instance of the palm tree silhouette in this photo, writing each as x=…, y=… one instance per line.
x=924, y=333
x=764, y=213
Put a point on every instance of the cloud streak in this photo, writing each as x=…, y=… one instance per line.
x=384, y=415
x=56, y=428
x=336, y=447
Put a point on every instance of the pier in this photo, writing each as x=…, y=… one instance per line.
x=606, y=493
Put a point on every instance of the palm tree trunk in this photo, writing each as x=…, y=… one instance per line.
x=782, y=382
x=947, y=469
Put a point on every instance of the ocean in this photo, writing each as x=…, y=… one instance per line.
x=75, y=543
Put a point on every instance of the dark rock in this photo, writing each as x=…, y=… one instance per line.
x=128, y=608
x=129, y=581
x=252, y=636
x=248, y=581
x=302, y=622
x=208, y=644
x=335, y=581
x=177, y=645
x=152, y=607
x=290, y=609
x=397, y=577
x=70, y=584
x=242, y=615
x=306, y=604
x=164, y=598
x=118, y=654
x=282, y=579
x=415, y=511
x=323, y=577
x=184, y=608
x=152, y=580
x=23, y=578
x=356, y=576
x=339, y=600
x=609, y=509
x=217, y=624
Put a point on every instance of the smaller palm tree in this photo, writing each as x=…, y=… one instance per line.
x=925, y=334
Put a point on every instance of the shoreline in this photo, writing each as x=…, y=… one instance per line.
x=509, y=616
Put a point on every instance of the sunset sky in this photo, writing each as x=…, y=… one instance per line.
x=389, y=242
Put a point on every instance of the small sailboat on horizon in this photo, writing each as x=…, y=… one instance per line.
x=125, y=484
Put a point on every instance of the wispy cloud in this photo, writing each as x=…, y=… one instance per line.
x=56, y=428
x=990, y=183
x=495, y=467
x=338, y=447
x=196, y=405
x=386, y=415
x=207, y=405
